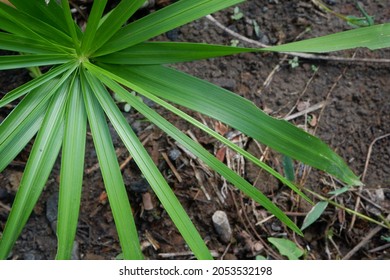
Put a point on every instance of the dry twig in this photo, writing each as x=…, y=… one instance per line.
x=364, y=241
x=358, y=199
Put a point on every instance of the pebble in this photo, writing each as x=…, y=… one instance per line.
x=222, y=226
x=226, y=83
x=173, y=34
x=276, y=227
x=3, y=194
x=32, y=256
x=140, y=186
x=52, y=210
x=174, y=154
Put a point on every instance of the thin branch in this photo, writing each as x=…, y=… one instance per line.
x=364, y=241
x=358, y=199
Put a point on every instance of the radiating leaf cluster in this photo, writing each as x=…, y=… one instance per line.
x=112, y=54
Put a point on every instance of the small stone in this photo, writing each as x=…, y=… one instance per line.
x=75, y=251
x=140, y=186
x=3, y=194
x=174, y=154
x=258, y=247
x=52, y=210
x=265, y=40
x=230, y=257
x=222, y=226
x=32, y=256
x=147, y=201
x=276, y=227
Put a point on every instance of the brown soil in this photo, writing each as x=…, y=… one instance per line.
x=356, y=113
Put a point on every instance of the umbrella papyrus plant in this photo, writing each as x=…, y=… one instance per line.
x=73, y=95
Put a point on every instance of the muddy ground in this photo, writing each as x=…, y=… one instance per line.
x=351, y=110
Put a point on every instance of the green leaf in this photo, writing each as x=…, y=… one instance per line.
x=16, y=43
x=314, y=214
x=286, y=248
x=117, y=17
x=42, y=157
x=163, y=20
x=50, y=75
x=51, y=12
x=112, y=176
x=25, y=61
x=150, y=171
x=72, y=167
x=372, y=37
x=33, y=27
x=214, y=134
x=22, y=123
x=288, y=167
x=92, y=24
x=71, y=25
x=340, y=191
x=223, y=105
x=193, y=147
x=168, y=52
x=10, y=149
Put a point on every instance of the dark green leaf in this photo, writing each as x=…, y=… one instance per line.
x=168, y=52
x=117, y=17
x=196, y=149
x=150, y=171
x=25, y=61
x=239, y=113
x=112, y=176
x=72, y=167
x=163, y=20
x=372, y=37
x=50, y=75
x=42, y=157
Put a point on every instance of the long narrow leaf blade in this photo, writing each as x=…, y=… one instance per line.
x=372, y=37
x=314, y=214
x=47, y=11
x=72, y=170
x=19, y=139
x=152, y=174
x=50, y=75
x=112, y=176
x=239, y=113
x=34, y=26
x=43, y=155
x=23, y=122
x=217, y=136
x=196, y=149
x=11, y=42
x=168, y=52
x=25, y=61
x=92, y=25
x=72, y=30
x=31, y=105
x=163, y=20
x=118, y=16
